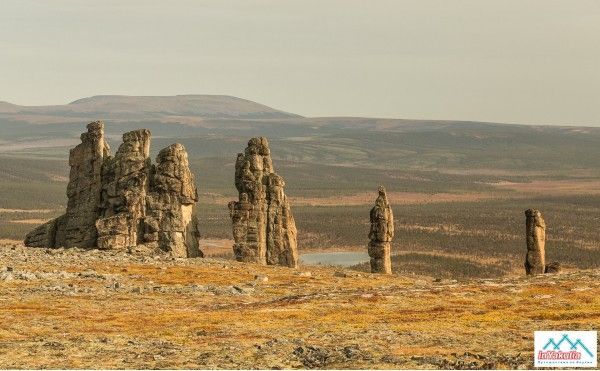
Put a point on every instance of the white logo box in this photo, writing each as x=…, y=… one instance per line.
x=566, y=349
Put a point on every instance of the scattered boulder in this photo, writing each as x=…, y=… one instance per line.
x=381, y=234
x=44, y=235
x=264, y=229
x=535, y=260
x=554, y=267
x=341, y=274
x=261, y=278
x=125, y=202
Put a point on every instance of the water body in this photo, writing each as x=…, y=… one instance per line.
x=344, y=259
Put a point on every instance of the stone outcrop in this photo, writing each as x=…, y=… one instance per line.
x=264, y=230
x=77, y=228
x=125, y=183
x=535, y=229
x=84, y=188
x=122, y=201
x=381, y=234
x=170, y=220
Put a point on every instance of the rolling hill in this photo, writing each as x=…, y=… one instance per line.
x=118, y=107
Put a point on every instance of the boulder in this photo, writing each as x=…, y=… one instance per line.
x=554, y=267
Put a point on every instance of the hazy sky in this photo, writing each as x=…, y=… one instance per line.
x=495, y=60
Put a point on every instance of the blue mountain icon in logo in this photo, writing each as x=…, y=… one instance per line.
x=573, y=344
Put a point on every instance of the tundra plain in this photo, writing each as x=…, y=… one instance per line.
x=458, y=297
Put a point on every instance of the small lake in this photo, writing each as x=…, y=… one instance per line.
x=346, y=258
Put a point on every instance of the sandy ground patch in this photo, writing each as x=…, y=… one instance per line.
x=25, y=210
x=520, y=190
x=216, y=247
x=396, y=198
x=367, y=198
x=30, y=221
x=554, y=187
x=8, y=242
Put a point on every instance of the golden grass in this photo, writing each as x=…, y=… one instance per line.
x=378, y=312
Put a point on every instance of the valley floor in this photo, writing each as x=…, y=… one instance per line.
x=104, y=309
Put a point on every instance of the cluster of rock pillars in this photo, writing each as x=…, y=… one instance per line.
x=125, y=201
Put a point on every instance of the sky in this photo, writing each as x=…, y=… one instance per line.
x=517, y=61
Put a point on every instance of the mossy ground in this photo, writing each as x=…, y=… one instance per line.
x=211, y=313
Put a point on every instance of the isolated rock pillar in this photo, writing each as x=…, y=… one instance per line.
x=381, y=234
x=535, y=230
x=264, y=230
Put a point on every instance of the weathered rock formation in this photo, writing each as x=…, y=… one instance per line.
x=535, y=229
x=125, y=183
x=381, y=234
x=78, y=226
x=170, y=221
x=264, y=229
x=125, y=201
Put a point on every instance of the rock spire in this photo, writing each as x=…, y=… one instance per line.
x=381, y=234
x=264, y=229
x=535, y=230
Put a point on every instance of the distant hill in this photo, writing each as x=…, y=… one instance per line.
x=219, y=126
x=120, y=107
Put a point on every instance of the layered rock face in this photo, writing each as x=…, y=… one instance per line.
x=125, y=183
x=264, y=229
x=78, y=226
x=170, y=221
x=381, y=234
x=535, y=229
x=124, y=201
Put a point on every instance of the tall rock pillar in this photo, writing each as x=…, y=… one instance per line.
x=535, y=232
x=264, y=229
x=381, y=234
x=170, y=222
x=84, y=189
x=125, y=183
